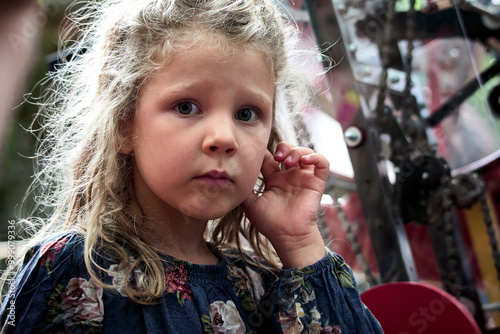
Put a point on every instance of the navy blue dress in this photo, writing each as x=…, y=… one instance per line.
x=53, y=293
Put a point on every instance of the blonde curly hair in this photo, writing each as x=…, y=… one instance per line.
x=84, y=180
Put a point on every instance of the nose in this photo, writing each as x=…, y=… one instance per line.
x=220, y=136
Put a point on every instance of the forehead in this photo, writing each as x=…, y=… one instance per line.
x=207, y=51
x=183, y=41
x=210, y=65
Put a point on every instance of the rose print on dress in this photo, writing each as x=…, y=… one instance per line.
x=238, y=279
x=255, y=284
x=176, y=281
x=225, y=318
x=49, y=251
x=245, y=281
x=76, y=308
x=82, y=301
x=118, y=272
x=331, y=330
x=342, y=271
x=303, y=315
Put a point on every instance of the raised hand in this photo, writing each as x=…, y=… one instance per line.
x=287, y=212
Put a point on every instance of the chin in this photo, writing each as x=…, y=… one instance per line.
x=203, y=215
x=206, y=215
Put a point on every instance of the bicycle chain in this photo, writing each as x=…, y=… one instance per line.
x=488, y=221
x=411, y=26
x=451, y=272
x=351, y=238
x=384, y=54
x=452, y=267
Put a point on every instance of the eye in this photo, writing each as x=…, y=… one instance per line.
x=187, y=108
x=246, y=115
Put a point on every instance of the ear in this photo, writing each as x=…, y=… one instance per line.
x=124, y=134
x=126, y=146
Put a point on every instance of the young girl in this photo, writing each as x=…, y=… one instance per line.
x=155, y=138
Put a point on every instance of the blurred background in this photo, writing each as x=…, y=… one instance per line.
x=408, y=118
x=28, y=34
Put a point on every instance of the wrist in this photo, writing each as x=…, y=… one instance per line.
x=302, y=252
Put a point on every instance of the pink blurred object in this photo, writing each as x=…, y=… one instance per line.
x=415, y=308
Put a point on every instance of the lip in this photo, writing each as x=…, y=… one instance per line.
x=216, y=177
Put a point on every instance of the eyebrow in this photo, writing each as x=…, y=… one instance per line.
x=262, y=97
x=253, y=94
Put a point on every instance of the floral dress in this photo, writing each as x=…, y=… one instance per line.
x=53, y=293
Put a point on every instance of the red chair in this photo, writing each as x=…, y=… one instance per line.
x=416, y=308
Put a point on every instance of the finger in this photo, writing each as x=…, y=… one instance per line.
x=315, y=159
x=295, y=155
x=320, y=163
x=269, y=166
x=282, y=151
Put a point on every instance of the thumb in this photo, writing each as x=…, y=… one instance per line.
x=269, y=166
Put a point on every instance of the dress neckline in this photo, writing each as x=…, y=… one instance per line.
x=196, y=272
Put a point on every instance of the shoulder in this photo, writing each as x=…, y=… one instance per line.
x=57, y=251
x=53, y=289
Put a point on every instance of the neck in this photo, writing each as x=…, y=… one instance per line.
x=180, y=238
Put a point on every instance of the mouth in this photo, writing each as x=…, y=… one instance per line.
x=216, y=177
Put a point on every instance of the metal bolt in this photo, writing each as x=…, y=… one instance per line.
x=394, y=79
x=353, y=136
x=352, y=48
x=427, y=7
x=365, y=71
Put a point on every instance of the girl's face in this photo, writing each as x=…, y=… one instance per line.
x=200, y=132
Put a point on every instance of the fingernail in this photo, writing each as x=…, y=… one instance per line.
x=289, y=159
x=278, y=154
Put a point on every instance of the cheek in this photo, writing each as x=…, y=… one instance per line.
x=253, y=157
